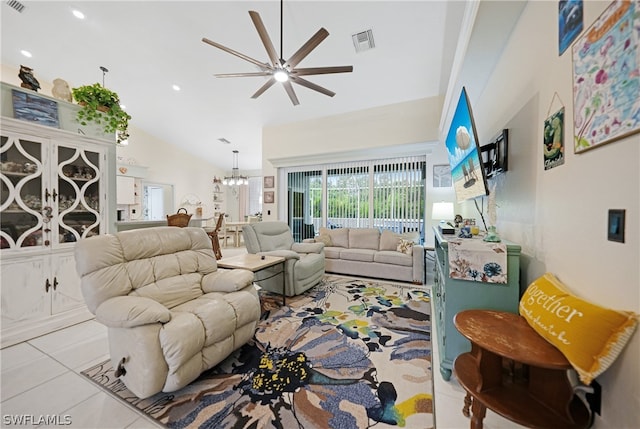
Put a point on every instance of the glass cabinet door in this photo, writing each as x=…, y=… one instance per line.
x=23, y=217
x=78, y=193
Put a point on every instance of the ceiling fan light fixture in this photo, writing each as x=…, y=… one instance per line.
x=280, y=70
x=281, y=75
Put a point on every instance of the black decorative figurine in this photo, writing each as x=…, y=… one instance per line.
x=28, y=79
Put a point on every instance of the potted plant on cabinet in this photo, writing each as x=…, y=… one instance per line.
x=102, y=106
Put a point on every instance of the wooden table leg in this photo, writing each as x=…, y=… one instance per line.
x=467, y=404
x=284, y=283
x=479, y=411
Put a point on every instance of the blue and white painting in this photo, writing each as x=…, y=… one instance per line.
x=570, y=22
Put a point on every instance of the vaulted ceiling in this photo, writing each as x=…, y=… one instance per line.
x=149, y=46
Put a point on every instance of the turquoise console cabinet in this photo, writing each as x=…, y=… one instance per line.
x=454, y=295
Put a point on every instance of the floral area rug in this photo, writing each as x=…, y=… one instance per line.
x=350, y=353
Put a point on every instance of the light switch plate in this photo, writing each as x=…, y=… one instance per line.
x=615, y=226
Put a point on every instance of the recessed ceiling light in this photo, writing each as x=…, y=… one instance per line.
x=176, y=87
x=77, y=14
x=26, y=53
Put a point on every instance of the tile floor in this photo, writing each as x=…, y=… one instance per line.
x=41, y=377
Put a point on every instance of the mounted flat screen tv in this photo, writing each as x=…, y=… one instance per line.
x=467, y=172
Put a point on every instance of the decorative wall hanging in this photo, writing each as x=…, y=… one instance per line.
x=268, y=197
x=442, y=176
x=268, y=182
x=570, y=22
x=606, y=81
x=553, y=145
x=553, y=136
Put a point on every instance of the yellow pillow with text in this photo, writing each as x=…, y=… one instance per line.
x=590, y=336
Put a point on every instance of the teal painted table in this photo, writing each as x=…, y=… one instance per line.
x=454, y=295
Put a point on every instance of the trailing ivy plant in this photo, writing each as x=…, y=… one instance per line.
x=102, y=106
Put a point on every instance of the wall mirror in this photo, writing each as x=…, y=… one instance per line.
x=157, y=200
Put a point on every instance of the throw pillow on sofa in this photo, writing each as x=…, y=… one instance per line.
x=590, y=336
x=325, y=239
x=405, y=246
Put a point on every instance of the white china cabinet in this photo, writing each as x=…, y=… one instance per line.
x=55, y=191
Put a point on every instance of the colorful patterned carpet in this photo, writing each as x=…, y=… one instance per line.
x=350, y=353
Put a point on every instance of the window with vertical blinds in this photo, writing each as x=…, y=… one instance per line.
x=385, y=194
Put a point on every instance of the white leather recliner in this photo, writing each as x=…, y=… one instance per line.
x=170, y=312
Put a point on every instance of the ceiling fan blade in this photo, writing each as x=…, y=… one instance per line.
x=262, y=65
x=311, y=85
x=290, y=92
x=321, y=70
x=309, y=46
x=268, y=84
x=264, y=36
x=264, y=73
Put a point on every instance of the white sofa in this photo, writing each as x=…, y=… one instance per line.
x=371, y=253
x=170, y=312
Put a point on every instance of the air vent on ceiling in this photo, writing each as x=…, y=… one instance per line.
x=223, y=140
x=14, y=4
x=363, y=41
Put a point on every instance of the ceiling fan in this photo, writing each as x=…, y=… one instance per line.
x=280, y=70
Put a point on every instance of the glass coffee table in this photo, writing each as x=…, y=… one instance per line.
x=255, y=263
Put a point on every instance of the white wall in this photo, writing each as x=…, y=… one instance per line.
x=403, y=126
x=560, y=215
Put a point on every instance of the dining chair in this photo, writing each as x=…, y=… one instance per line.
x=213, y=234
x=235, y=232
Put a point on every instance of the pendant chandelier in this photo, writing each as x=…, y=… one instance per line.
x=235, y=178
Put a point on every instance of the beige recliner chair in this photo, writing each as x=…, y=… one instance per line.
x=304, y=262
x=170, y=312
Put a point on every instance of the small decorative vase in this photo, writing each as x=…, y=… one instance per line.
x=492, y=235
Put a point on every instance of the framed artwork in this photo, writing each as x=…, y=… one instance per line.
x=606, y=79
x=268, y=197
x=553, y=144
x=33, y=108
x=570, y=23
x=268, y=182
x=442, y=176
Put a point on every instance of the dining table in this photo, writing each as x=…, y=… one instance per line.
x=236, y=229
